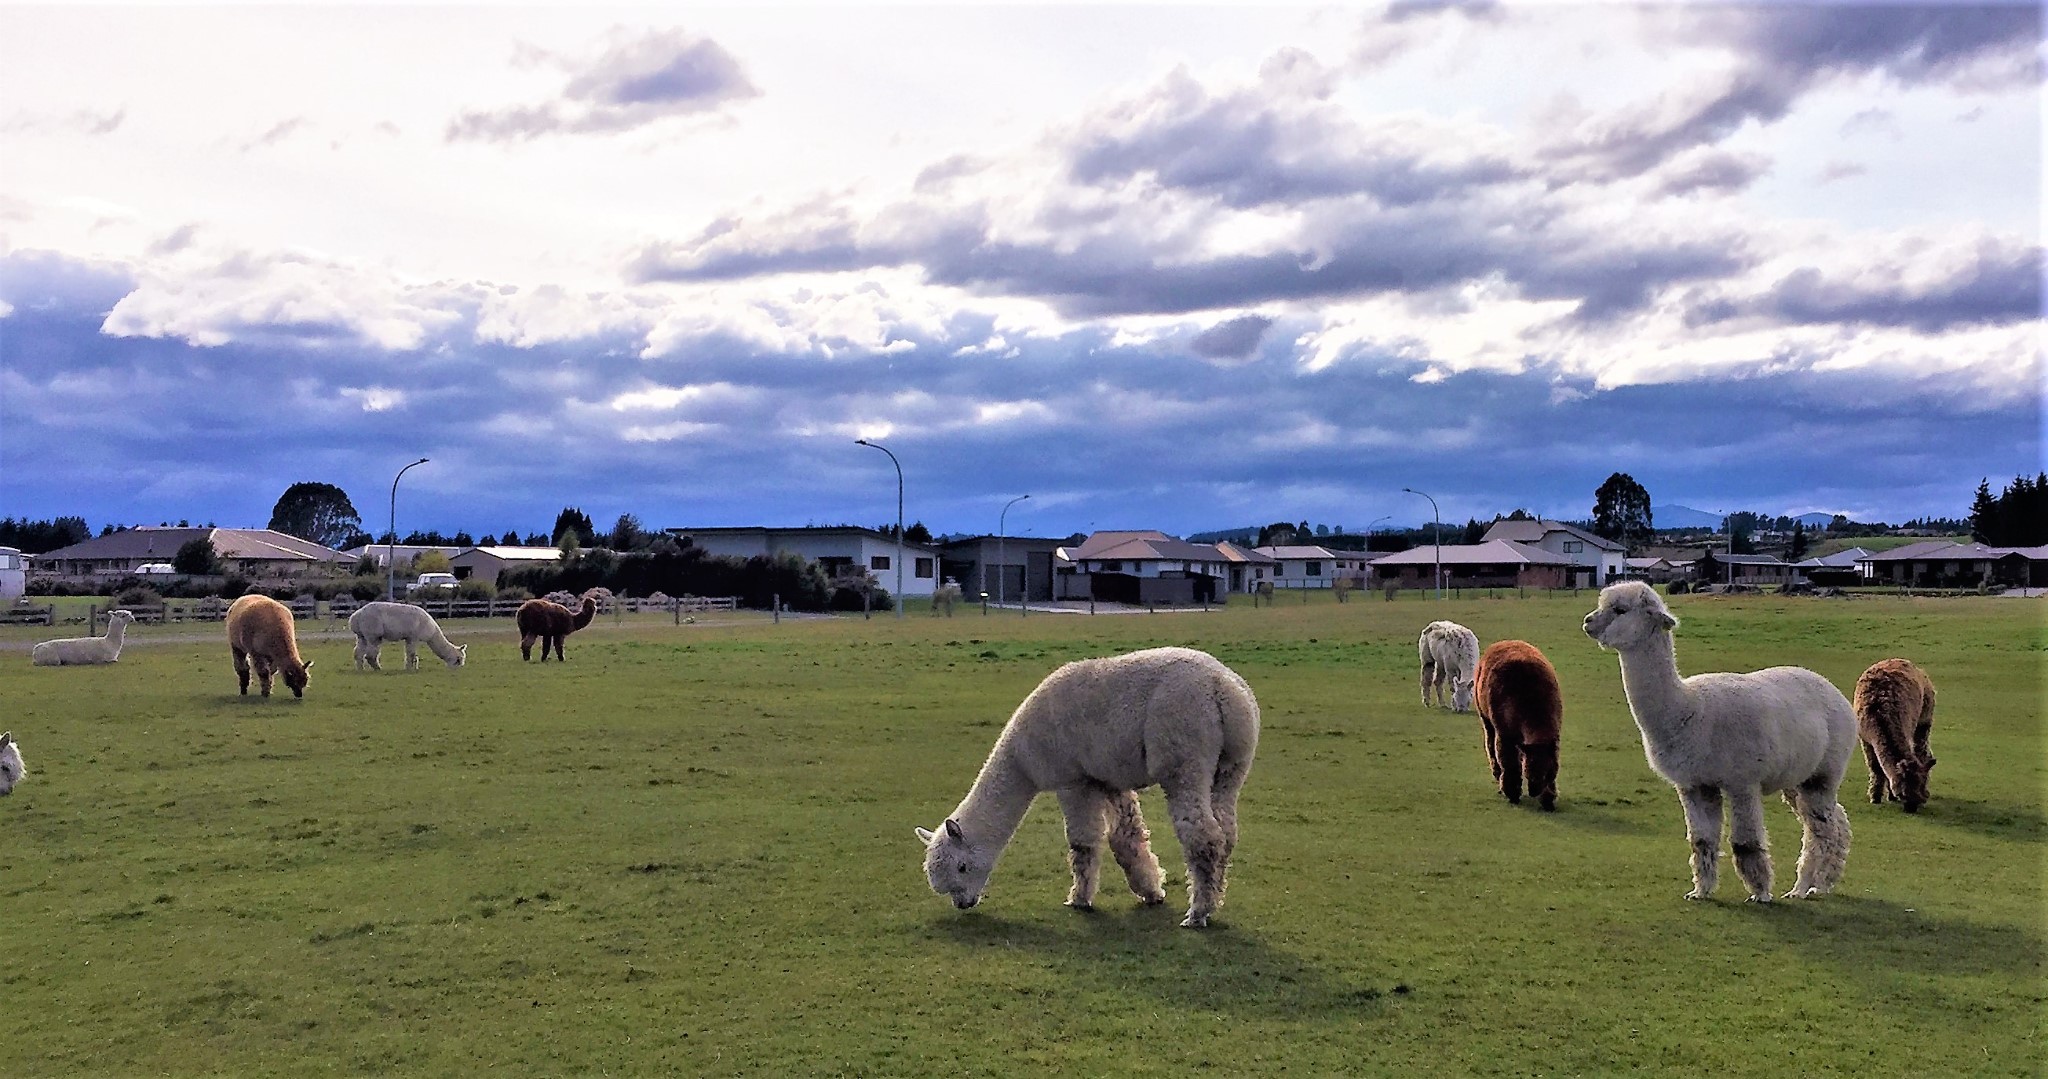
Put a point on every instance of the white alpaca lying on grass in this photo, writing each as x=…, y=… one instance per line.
x=11, y=768
x=76, y=651
x=1450, y=654
x=1741, y=736
x=1096, y=732
x=375, y=623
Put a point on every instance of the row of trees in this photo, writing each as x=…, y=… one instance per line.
x=2017, y=517
x=685, y=570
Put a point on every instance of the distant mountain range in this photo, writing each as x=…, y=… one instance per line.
x=1676, y=516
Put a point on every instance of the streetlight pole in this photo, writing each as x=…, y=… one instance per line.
x=899, y=519
x=391, y=549
x=1002, y=536
x=1439, y=539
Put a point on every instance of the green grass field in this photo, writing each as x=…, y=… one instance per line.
x=689, y=851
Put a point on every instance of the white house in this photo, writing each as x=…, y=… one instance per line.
x=13, y=574
x=1599, y=560
x=1309, y=566
x=489, y=563
x=402, y=553
x=1249, y=568
x=841, y=550
x=1143, y=567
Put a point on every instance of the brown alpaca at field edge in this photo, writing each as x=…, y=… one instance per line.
x=1522, y=709
x=1894, y=713
x=549, y=622
x=261, y=633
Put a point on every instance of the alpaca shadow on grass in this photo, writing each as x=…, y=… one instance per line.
x=1885, y=940
x=1144, y=951
x=1587, y=817
x=1986, y=818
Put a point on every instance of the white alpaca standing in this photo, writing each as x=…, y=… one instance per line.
x=375, y=623
x=1450, y=654
x=75, y=651
x=1095, y=732
x=11, y=768
x=1784, y=729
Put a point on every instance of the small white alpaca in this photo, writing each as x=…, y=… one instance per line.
x=1095, y=732
x=77, y=651
x=1741, y=736
x=11, y=768
x=1450, y=654
x=375, y=623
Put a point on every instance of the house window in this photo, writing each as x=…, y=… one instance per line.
x=1313, y=569
x=880, y=561
x=924, y=568
x=1574, y=546
x=1112, y=567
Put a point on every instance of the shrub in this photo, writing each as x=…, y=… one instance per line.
x=514, y=594
x=474, y=589
x=365, y=589
x=138, y=596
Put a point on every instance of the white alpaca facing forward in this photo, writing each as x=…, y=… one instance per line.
x=11, y=768
x=1741, y=736
x=375, y=623
x=1096, y=732
x=1450, y=654
x=80, y=651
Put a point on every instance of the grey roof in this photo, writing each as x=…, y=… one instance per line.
x=1745, y=559
x=240, y=544
x=1839, y=560
x=1534, y=531
x=1489, y=553
x=1940, y=550
x=1142, y=546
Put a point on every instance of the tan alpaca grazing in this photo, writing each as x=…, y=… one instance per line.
x=548, y=622
x=261, y=634
x=1894, y=713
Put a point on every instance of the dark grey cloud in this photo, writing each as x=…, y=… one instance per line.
x=657, y=76
x=1231, y=339
x=2000, y=284
x=1714, y=171
x=1784, y=50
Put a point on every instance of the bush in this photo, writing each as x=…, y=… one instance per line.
x=233, y=586
x=365, y=589
x=474, y=589
x=138, y=596
x=848, y=598
x=1678, y=588
x=514, y=594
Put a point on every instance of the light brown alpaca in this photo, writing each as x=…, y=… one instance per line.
x=1894, y=713
x=260, y=632
x=1522, y=709
x=549, y=622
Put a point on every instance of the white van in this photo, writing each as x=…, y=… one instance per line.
x=155, y=569
x=432, y=584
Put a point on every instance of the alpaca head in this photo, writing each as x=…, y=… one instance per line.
x=1630, y=613
x=461, y=657
x=1911, y=782
x=295, y=676
x=1461, y=694
x=122, y=617
x=11, y=768
x=957, y=869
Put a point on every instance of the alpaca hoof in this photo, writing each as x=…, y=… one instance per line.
x=1802, y=893
x=1195, y=921
x=1760, y=897
x=1696, y=895
x=1085, y=908
x=1549, y=804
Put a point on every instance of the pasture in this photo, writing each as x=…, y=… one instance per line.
x=689, y=851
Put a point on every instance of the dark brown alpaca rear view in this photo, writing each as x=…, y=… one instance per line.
x=1518, y=700
x=1894, y=714
x=549, y=622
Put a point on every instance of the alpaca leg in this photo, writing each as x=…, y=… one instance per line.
x=1879, y=786
x=375, y=647
x=1087, y=813
x=1703, y=828
x=1492, y=747
x=1510, y=752
x=242, y=669
x=1131, y=843
x=1752, y=846
x=1201, y=841
x=264, y=672
x=412, y=654
x=1824, y=846
x=526, y=647
x=1428, y=676
x=1539, y=766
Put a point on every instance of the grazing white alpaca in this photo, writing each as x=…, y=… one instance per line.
x=11, y=768
x=375, y=623
x=1450, y=654
x=1741, y=736
x=75, y=651
x=1097, y=731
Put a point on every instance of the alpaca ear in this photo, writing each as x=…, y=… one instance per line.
x=308, y=666
x=926, y=835
x=7, y=739
x=953, y=829
x=1667, y=619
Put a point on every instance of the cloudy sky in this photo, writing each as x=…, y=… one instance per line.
x=1155, y=267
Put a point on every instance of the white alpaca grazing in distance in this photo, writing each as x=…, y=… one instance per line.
x=1450, y=654
x=1095, y=732
x=1741, y=736
x=76, y=651
x=11, y=768
x=375, y=623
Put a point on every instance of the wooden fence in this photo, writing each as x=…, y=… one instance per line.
x=215, y=610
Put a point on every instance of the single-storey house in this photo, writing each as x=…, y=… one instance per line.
x=1310, y=566
x=1599, y=559
x=13, y=573
x=1837, y=569
x=1248, y=567
x=844, y=552
x=1947, y=564
x=252, y=552
x=1761, y=570
x=489, y=563
x=1491, y=564
x=402, y=553
x=1143, y=567
x=1005, y=567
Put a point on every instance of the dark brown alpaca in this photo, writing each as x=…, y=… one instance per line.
x=549, y=622
x=1518, y=700
x=1894, y=713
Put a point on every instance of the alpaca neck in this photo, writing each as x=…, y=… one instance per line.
x=584, y=614
x=997, y=802
x=1664, y=707
x=115, y=631
x=439, y=644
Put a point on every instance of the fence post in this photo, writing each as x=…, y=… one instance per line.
x=92, y=620
x=677, y=604
x=775, y=601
